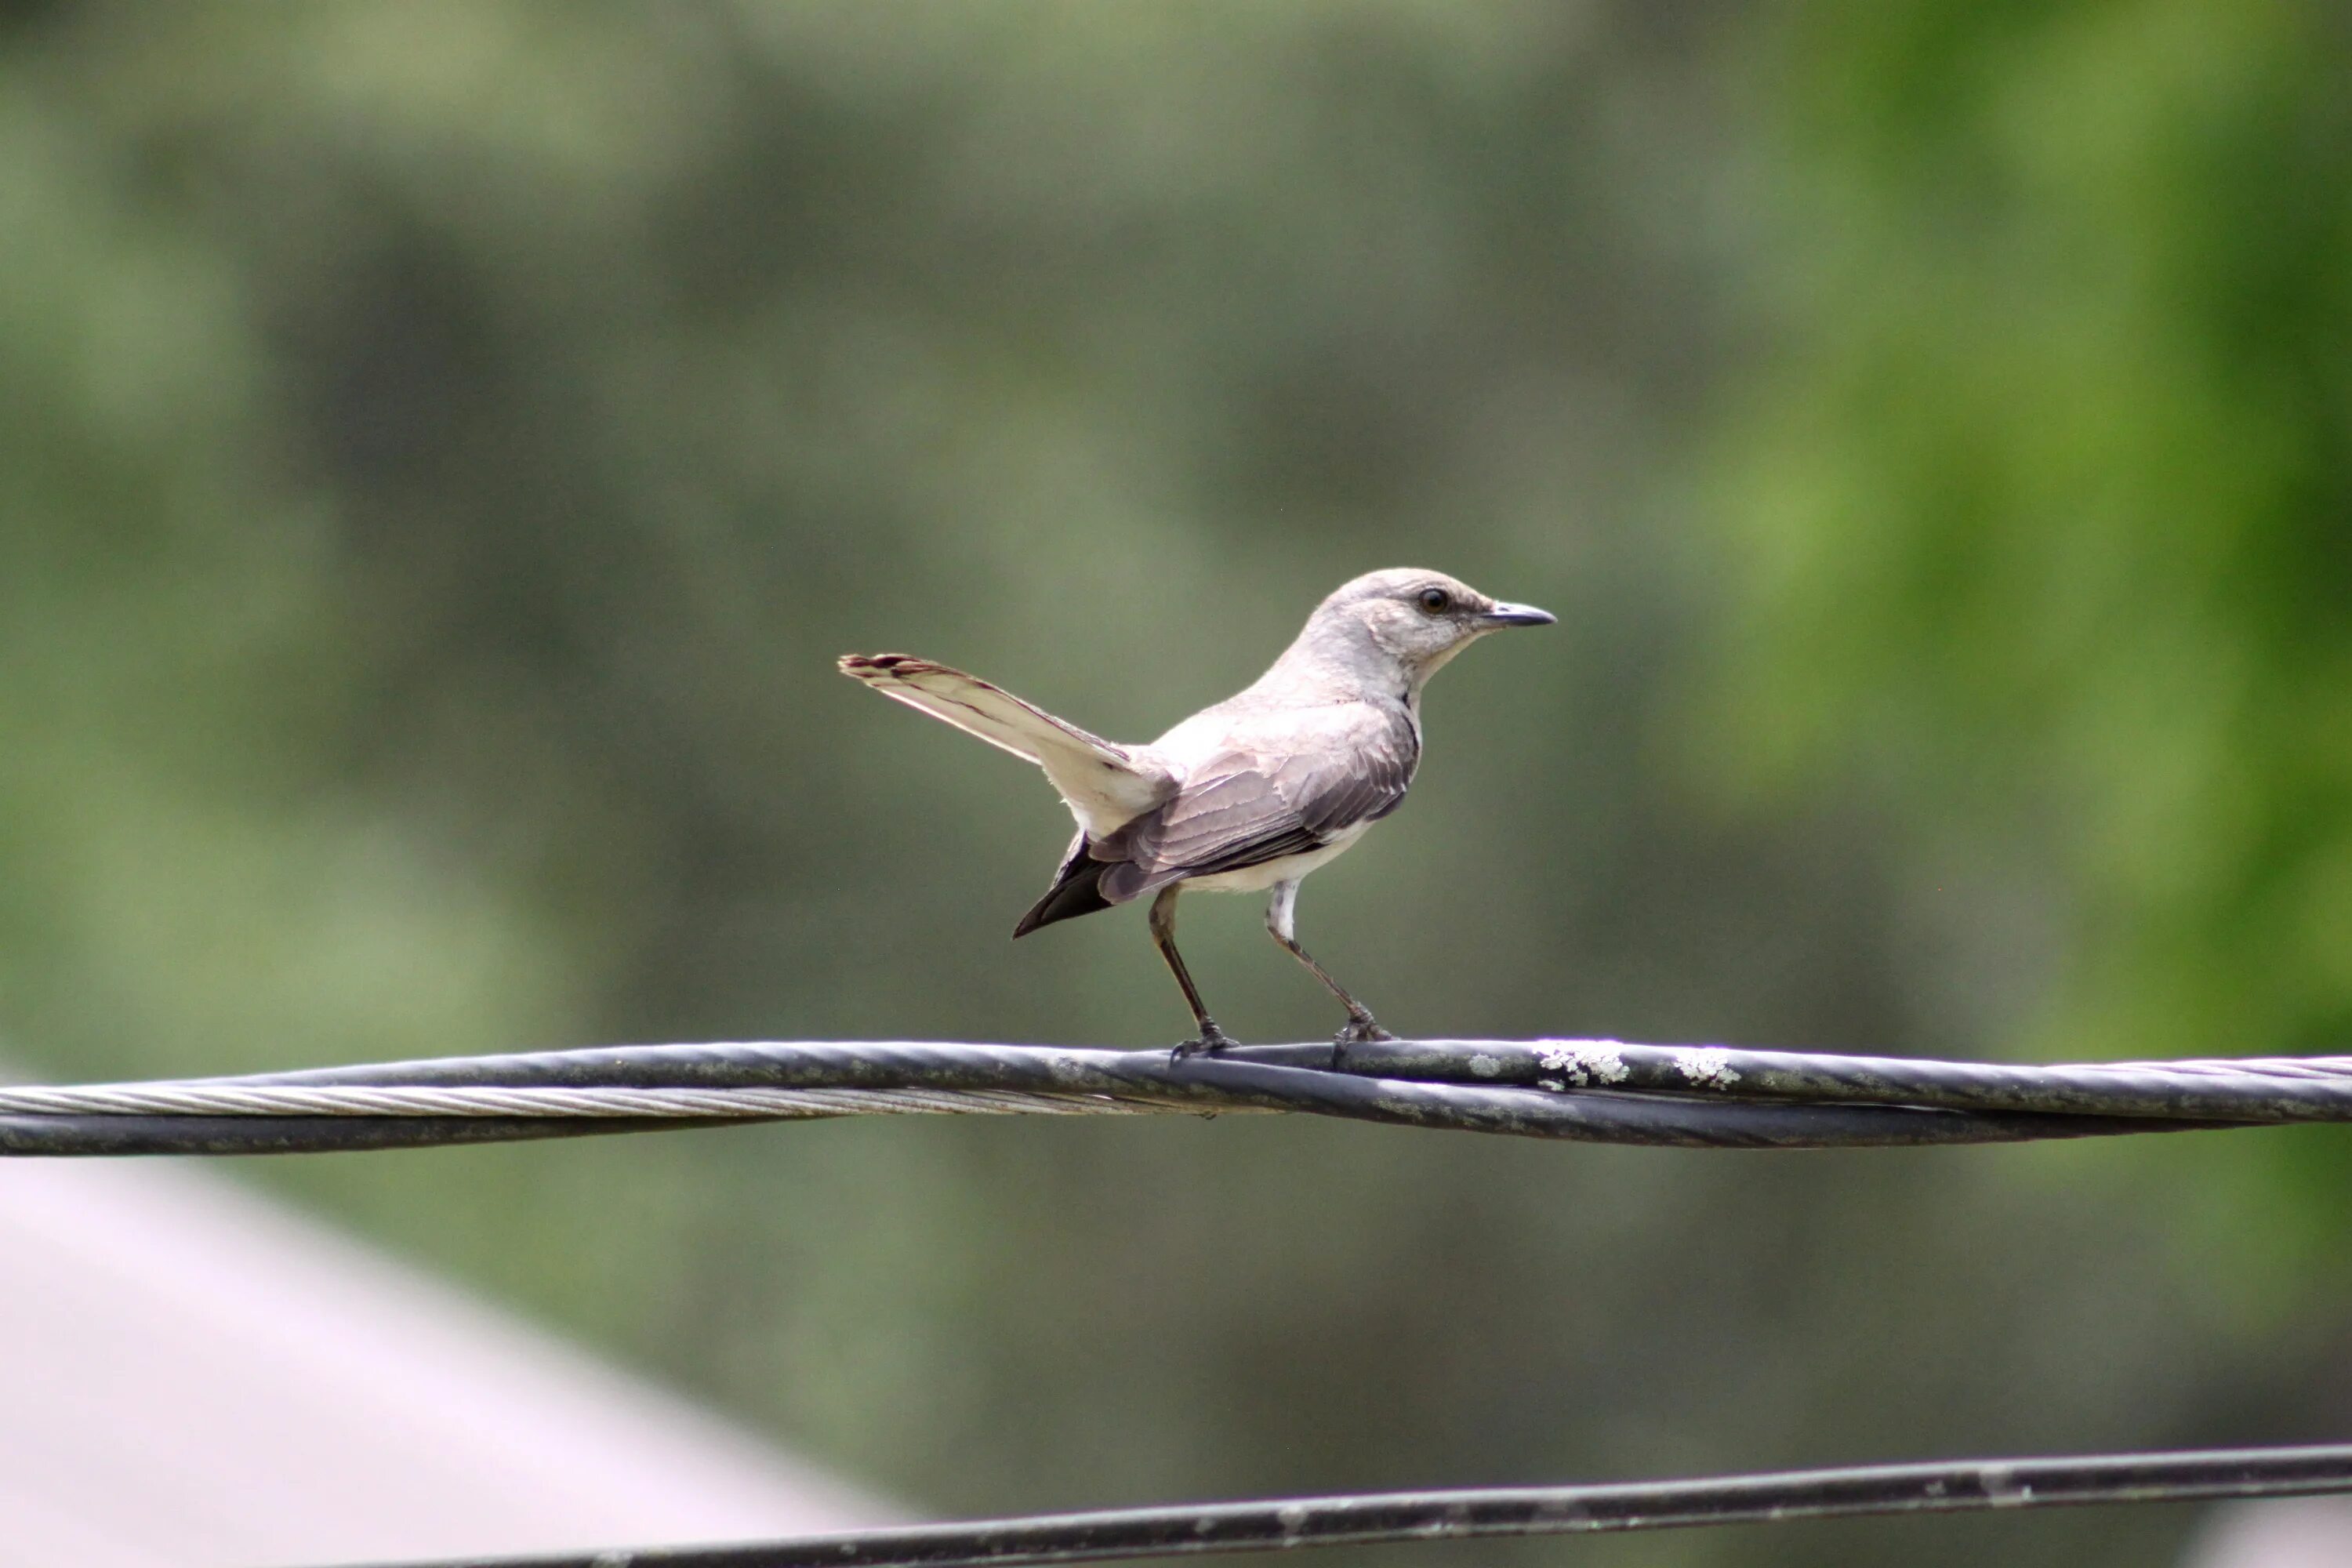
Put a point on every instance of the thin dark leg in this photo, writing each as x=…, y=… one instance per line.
x=1163, y=937
x=1281, y=923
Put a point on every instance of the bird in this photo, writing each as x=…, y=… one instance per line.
x=1248, y=796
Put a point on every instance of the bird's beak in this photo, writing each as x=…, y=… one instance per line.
x=1518, y=615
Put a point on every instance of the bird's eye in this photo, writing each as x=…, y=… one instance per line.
x=1436, y=601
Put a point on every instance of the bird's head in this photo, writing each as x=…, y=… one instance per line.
x=1407, y=621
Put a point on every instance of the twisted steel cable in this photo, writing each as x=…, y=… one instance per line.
x=1592, y=1090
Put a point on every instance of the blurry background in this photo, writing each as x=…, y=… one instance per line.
x=443, y=447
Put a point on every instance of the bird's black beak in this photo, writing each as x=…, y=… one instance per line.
x=1518, y=615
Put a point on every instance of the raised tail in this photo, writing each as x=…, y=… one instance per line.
x=1105, y=784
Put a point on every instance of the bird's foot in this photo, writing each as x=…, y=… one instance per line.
x=1362, y=1028
x=1212, y=1039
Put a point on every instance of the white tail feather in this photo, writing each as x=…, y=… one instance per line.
x=1103, y=784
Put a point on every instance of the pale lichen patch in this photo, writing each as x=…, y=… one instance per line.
x=1585, y=1061
x=1708, y=1067
x=1485, y=1067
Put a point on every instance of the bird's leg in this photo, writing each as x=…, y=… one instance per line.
x=1281, y=923
x=1163, y=937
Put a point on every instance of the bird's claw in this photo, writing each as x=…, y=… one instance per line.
x=1211, y=1040
x=1361, y=1028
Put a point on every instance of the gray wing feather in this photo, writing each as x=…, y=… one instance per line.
x=1249, y=804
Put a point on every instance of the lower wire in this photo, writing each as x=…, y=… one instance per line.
x=1954, y=1487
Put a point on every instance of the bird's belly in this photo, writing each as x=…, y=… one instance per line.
x=1257, y=878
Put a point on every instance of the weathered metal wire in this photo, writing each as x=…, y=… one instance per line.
x=2256, y=1089
x=1592, y=1090
x=1960, y=1487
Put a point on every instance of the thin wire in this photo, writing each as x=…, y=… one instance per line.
x=692, y=1104
x=1958, y=1487
x=1592, y=1090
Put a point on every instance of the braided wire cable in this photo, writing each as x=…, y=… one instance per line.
x=1590, y=1090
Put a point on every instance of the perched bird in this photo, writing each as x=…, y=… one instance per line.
x=1250, y=795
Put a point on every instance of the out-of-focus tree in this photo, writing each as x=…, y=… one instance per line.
x=2043, y=498
x=180, y=864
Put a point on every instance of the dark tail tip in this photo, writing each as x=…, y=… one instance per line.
x=1077, y=891
x=863, y=665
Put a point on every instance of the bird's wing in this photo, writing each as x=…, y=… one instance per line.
x=1254, y=803
x=1104, y=784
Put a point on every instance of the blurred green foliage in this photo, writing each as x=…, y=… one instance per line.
x=2044, y=496
x=446, y=445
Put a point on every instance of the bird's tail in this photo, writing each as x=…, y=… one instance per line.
x=1104, y=783
x=1077, y=890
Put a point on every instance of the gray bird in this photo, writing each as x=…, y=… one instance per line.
x=1252, y=794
